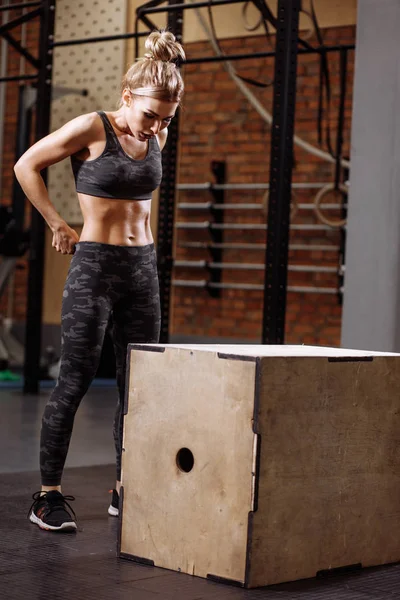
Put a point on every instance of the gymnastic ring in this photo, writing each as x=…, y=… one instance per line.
x=317, y=201
x=308, y=34
x=244, y=17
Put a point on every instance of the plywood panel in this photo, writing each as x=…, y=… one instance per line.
x=195, y=522
x=329, y=478
x=326, y=483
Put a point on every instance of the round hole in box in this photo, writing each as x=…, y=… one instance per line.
x=185, y=460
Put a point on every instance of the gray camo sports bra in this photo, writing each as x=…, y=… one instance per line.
x=114, y=174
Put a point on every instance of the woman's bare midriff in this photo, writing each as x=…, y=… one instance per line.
x=117, y=222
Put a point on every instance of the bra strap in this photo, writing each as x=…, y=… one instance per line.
x=111, y=137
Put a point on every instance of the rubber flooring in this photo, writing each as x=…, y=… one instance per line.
x=39, y=565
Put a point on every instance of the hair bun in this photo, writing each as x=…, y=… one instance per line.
x=162, y=45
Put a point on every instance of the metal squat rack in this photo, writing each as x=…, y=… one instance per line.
x=276, y=249
x=217, y=227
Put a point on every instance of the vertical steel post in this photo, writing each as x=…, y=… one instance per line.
x=33, y=333
x=167, y=198
x=218, y=168
x=341, y=174
x=276, y=260
x=22, y=145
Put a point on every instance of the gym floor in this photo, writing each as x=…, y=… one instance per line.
x=39, y=565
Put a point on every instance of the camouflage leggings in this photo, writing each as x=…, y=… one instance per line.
x=103, y=281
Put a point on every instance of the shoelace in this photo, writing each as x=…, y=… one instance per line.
x=37, y=496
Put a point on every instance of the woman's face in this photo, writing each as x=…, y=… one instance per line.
x=146, y=116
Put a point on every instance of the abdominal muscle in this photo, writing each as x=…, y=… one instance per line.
x=117, y=222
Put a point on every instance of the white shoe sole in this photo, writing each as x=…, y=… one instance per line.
x=67, y=526
x=113, y=512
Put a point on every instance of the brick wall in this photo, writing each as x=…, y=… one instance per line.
x=218, y=123
x=10, y=132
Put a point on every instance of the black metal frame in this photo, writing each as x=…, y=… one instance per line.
x=33, y=329
x=281, y=155
x=152, y=7
x=165, y=233
x=284, y=104
x=281, y=164
x=269, y=54
x=286, y=51
x=45, y=11
x=217, y=235
x=5, y=7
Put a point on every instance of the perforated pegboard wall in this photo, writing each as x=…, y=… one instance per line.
x=96, y=67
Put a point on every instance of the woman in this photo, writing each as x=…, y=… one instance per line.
x=116, y=160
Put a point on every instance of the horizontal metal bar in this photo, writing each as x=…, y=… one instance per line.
x=313, y=290
x=19, y=6
x=194, y=186
x=175, y=7
x=237, y=286
x=106, y=38
x=311, y=206
x=312, y=269
x=18, y=78
x=208, y=205
x=228, y=246
x=268, y=54
x=203, y=225
x=202, y=264
x=221, y=226
x=252, y=286
x=224, y=57
x=250, y=206
x=310, y=227
x=189, y=283
x=150, y=4
x=195, y=205
x=190, y=263
x=247, y=226
x=208, y=186
x=236, y=266
x=315, y=247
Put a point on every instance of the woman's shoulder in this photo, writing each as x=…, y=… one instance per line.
x=85, y=122
x=85, y=128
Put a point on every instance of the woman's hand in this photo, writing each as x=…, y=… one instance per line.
x=64, y=239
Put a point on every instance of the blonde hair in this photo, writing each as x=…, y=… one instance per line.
x=157, y=74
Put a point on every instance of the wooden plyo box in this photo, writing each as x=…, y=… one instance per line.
x=260, y=464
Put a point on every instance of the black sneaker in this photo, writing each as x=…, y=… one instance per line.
x=49, y=511
x=113, y=509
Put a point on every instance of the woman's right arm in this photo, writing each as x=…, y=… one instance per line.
x=69, y=139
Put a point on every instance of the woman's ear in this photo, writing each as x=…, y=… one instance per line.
x=126, y=97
